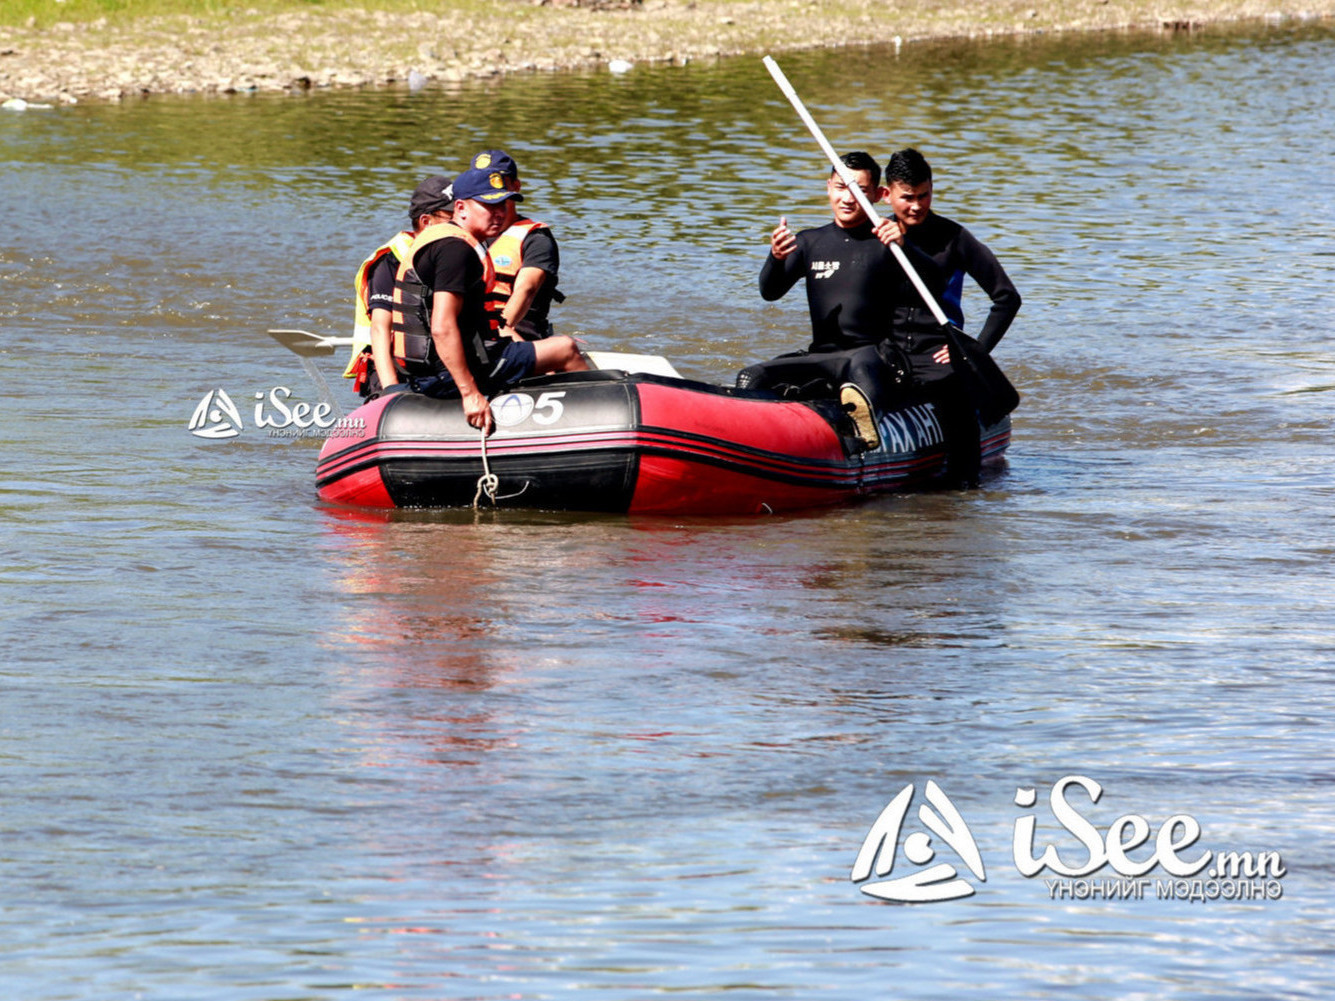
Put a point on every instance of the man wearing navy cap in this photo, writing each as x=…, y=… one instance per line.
x=526, y=259
x=440, y=323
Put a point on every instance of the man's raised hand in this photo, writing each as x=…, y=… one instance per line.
x=782, y=241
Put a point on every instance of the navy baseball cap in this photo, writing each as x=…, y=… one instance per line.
x=495, y=159
x=484, y=185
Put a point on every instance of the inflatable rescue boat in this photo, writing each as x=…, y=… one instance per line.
x=638, y=442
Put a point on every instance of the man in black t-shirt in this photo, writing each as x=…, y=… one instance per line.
x=525, y=310
x=526, y=259
x=451, y=272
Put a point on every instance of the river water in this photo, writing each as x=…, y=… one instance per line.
x=257, y=748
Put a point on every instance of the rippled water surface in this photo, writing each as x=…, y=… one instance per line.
x=257, y=748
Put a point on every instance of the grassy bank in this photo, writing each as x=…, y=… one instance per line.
x=44, y=14
x=73, y=50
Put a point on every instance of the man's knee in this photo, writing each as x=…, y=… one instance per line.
x=573, y=359
x=559, y=354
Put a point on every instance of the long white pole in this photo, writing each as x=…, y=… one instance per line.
x=842, y=170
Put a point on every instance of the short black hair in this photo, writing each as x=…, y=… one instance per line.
x=858, y=160
x=909, y=167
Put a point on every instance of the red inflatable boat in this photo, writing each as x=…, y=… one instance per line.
x=642, y=443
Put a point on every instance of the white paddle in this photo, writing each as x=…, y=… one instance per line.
x=847, y=175
x=307, y=344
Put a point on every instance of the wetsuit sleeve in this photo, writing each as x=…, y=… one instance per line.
x=984, y=268
x=380, y=284
x=777, y=277
x=540, y=251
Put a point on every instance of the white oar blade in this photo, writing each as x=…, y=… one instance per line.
x=307, y=344
x=632, y=363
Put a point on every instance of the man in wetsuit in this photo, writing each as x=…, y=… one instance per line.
x=850, y=274
x=850, y=282
x=942, y=252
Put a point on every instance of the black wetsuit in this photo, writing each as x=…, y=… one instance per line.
x=943, y=252
x=858, y=294
x=851, y=283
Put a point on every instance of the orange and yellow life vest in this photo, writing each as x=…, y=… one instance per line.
x=410, y=320
x=398, y=246
x=507, y=257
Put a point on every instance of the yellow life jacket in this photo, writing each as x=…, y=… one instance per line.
x=410, y=321
x=361, y=329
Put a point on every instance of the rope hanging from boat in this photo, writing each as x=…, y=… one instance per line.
x=488, y=483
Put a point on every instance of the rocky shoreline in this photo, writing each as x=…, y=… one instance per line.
x=242, y=51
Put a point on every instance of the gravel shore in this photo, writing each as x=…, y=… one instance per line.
x=240, y=51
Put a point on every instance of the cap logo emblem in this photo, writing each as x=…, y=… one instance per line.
x=482, y=161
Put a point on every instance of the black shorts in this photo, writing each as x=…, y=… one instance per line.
x=515, y=360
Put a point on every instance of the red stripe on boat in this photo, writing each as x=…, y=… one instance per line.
x=790, y=429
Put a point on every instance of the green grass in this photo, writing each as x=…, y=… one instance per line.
x=44, y=13
x=927, y=16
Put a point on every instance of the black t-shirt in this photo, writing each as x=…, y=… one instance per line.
x=451, y=265
x=380, y=284
x=540, y=251
x=851, y=281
